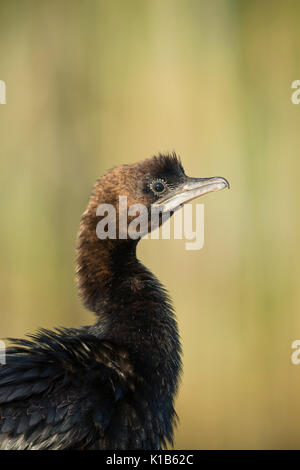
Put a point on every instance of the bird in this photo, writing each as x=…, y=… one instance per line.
x=110, y=385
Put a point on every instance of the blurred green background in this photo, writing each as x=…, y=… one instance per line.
x=93, y=84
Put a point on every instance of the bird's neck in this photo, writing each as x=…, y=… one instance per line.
x=132, y=306
x=110, y=278
x=99, y=265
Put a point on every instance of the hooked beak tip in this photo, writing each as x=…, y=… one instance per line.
x=227, y=183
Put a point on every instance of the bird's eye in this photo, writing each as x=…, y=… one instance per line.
x=158, y=186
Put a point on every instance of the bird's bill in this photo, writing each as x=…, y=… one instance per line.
x=189, y=190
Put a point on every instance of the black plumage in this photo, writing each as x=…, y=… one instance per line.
x=110, y=385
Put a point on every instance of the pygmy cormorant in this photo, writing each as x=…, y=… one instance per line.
x=110, y=385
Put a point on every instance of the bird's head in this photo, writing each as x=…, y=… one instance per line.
x=166, y=187
x=106, y=243
x=158, y=184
